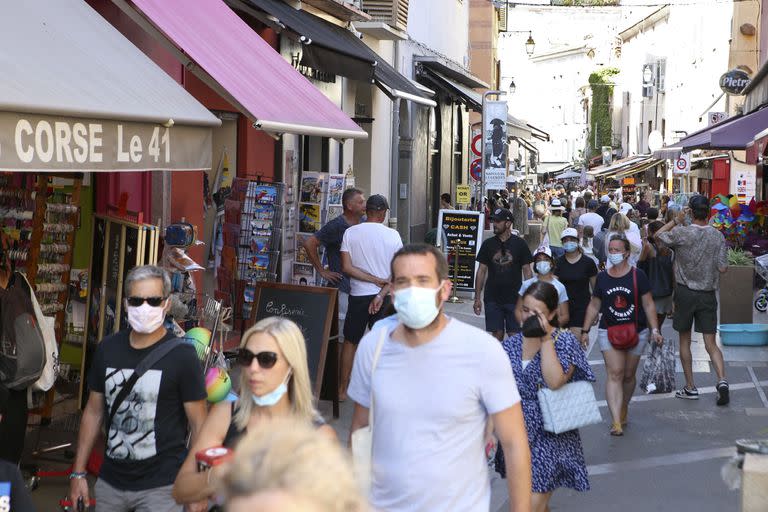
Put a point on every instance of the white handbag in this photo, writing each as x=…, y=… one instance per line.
x=569, y=407
x=362, y=438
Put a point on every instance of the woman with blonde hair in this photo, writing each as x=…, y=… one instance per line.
x=283, y=465
x=274, y=382
x=621, y=225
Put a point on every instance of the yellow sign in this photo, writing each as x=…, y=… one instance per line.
x=462, y=194
x=629, y=181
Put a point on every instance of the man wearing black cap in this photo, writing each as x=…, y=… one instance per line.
x=700, y=258
x=366, y=253
x=14, y=496
x=504, y=259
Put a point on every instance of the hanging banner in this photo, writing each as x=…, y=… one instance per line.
x=495, y=144
x=462, y=229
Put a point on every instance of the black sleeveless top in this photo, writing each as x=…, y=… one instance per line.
x=234, y=433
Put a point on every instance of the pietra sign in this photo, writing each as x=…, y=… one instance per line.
x=734, y=81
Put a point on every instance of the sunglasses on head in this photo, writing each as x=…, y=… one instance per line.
x=266, y=359
x=138, y=301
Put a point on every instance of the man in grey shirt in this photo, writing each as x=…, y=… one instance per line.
x=700, y=258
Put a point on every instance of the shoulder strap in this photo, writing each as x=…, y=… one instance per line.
x=376, y=355
x=635, y=292
x=145, y=364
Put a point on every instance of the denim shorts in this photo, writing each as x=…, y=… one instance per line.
x=605, y=343
x=501, y=317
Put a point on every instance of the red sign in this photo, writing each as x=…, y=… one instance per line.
x=476, y=169
x=475, y=147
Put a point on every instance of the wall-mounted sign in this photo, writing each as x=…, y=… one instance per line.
x=683, y=164
x=716, y=117
x=463, y=194
x=734, y=81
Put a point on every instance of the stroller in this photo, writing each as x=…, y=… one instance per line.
x=761, y=267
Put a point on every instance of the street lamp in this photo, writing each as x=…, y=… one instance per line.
x=512, y=86
x=530, y=44
x=647, y=75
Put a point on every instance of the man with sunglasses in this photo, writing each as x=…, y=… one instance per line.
x=146, y=418
x=434, y=384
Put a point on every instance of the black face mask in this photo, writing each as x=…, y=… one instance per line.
x=532, y=328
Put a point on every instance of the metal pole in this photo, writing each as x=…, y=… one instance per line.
x=455, y=298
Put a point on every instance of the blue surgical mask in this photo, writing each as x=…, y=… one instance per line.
x=274, y=396
x=416, y=307
x=615, y=258
x=570, y=246
x=543, y=267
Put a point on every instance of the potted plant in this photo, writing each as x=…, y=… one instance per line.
x=736, y=288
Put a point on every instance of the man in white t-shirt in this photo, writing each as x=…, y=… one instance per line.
x=591, y=218
x=366, y=253
x=435, y=386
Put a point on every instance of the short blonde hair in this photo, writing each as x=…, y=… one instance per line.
x=619, y=223
x=288, y=455
x=289, y=338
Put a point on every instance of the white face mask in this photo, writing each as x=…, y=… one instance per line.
x=145, y=319
x=275, y=395
x=615, y=258
x=543, y=267
x=416, y=307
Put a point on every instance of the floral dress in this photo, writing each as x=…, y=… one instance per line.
x=557, y=460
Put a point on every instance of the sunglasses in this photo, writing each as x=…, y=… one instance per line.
x=138, y=301
x=266, y=359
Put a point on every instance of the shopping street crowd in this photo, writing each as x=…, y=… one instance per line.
x=436, y=400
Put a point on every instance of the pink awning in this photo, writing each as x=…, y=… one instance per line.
x=215, y=44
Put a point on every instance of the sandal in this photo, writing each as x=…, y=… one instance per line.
x=616, y=430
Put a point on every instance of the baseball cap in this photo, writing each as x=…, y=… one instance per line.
x=605, y=199
x=569, y=232
x=501, y=214
x=625, y=208
x=377, y=202
x=592, y=204
x=543, y=250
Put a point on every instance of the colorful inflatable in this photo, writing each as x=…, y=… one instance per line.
x=217, y=384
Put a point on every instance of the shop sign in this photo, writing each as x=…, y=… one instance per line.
x=734, y=81
x=52, y=143
x=463, y=194
x=495, y=179
x=682, y=164
x=462, y=229
x=495, y=135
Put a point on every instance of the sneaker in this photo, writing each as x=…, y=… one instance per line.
x=689, y=394
x=722, y=393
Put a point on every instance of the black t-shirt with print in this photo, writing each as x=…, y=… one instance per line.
x=146, y=441
x=618, y=298
x=505, y=261
x=14, y=495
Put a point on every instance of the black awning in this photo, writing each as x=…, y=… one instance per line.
x=328, y=47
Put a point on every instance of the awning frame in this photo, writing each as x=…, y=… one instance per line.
x=259, y=124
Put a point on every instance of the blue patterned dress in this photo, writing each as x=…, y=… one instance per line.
x=557, y=460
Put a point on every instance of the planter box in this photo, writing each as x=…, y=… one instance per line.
x=736, y=295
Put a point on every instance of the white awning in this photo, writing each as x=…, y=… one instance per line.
x=76, y=95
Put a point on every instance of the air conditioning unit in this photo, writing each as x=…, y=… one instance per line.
x=648, y=91
x=391, y=12
x=502, y=12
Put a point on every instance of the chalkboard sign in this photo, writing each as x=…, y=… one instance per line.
x=315, y=311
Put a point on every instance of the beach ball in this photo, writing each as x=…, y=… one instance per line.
x=217, y=384
x=200, y=338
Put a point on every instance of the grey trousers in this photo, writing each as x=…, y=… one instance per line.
x=109, y=499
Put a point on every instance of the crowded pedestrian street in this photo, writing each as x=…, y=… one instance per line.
x=383, y=255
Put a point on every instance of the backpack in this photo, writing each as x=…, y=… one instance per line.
x=22, y=346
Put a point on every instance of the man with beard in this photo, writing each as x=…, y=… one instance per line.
x=428, y=449
x=504, y=259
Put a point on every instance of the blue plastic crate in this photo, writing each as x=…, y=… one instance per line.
x=744, y=334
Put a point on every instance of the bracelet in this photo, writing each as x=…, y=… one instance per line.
x=77, y=474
